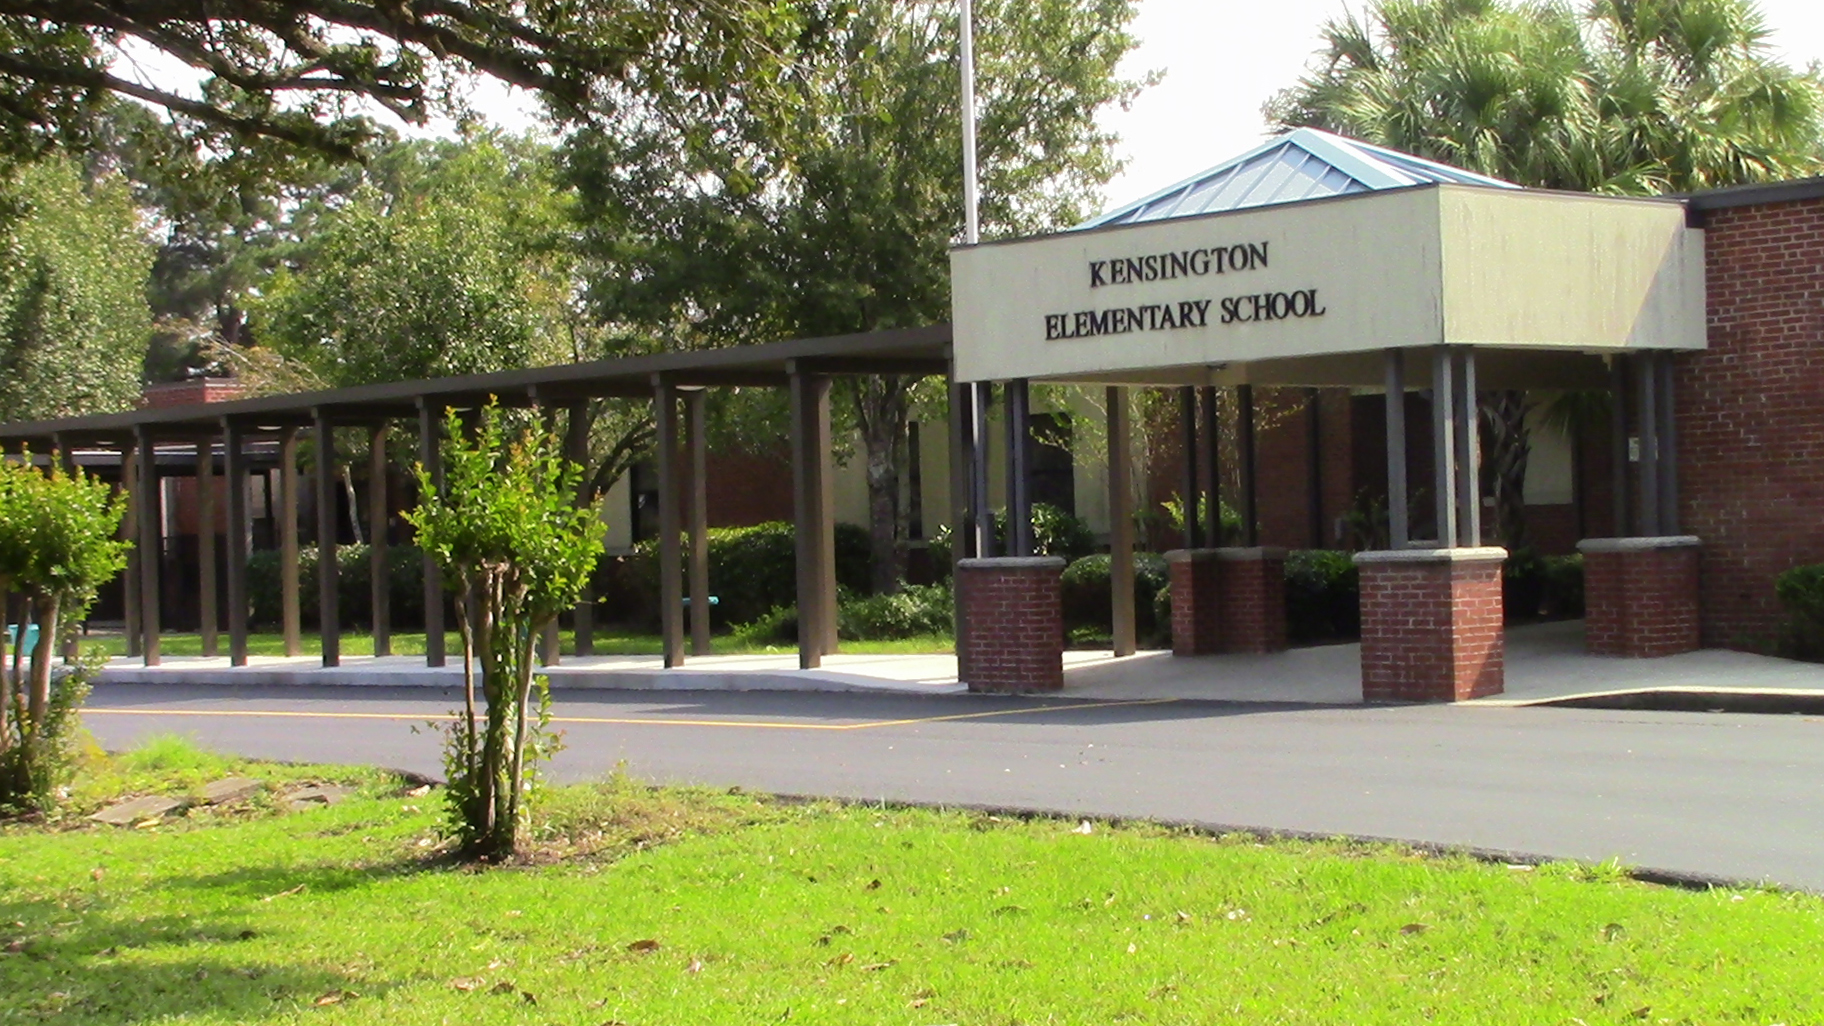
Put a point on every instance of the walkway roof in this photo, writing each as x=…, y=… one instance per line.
x=920, y=351
x=1302, y=164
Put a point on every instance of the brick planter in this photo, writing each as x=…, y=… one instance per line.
x=1640, y=596
x=1431, y=624
x=1010, y=623
x=1253, y=599
x=1196, y=581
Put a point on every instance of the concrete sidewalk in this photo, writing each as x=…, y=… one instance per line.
x=1545, y=663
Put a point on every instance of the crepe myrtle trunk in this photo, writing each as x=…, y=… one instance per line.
x=882, y=409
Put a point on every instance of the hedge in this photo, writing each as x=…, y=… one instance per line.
x=353, y=587
x=752, y=571
x=1801, y=592
x=1089, y=597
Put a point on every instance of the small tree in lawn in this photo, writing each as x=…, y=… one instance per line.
x=516, y=550
x=57, y=548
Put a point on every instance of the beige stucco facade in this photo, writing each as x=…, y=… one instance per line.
x=1328, y=283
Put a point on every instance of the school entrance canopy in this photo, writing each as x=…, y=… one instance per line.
x=1314, y=260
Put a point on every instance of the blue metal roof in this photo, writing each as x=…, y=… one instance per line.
x=1302, y=164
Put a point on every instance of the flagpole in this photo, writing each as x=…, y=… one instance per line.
x=972, y=227
x=981, y=542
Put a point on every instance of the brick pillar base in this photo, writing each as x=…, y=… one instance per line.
x=1640, y=596
x=1010, y=623
x=1253, y=599
x=1431, y=624
x=1196, y=601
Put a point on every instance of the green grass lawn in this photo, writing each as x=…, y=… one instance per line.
x=265, y=644
x=689, y=906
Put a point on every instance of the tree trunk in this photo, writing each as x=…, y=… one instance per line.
x=882, y=407
x=39, y=706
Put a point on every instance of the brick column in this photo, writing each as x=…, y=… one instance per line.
x=1011, y=616
x=1253, y=588
x=1196, y=601
x=1431, y=624
x=1640, y=596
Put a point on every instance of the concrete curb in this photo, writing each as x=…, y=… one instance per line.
x=829, y=681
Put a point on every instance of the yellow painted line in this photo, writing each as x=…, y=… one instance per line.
x=624, y=721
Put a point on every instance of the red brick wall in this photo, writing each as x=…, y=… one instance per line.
x=1431, y=629
x=1253, y=588
x=1282, y=467
x=1011, y=614
x=747, y=489
x=1641, y=603
x=1750, y=415
x=1196, y=602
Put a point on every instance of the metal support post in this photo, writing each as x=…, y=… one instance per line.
x=380, y=567
x=1245, y=461
x=208, y=616
x=1120, y=524
x=1469, y=450
x=809, y=395
x=1646, y=387
x=576, y=450
x=1618, y=443
x=290, y=609
x=1668, y=448
x=1399, y=529
x=1187, y=444
x=983, y=509
x=1212, y=466
x=671, y=569
x=430, y=453
x=329, y=619
x=239, y=534
x=146, y=497
x=1443, y=436
x=1019, y=468
x=697, y=416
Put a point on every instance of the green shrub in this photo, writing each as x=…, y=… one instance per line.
x=1522, y=585
x=1563, y=576
x=354, y=587
x=752, y=571
x=1089, y=597
x=1054, y=533
x=1323, y=596
x=776, y=626
x=914, y=611
x=1801, y=592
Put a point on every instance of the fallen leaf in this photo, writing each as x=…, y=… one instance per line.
x=97, y=873
x=957, y=936
x=1411, y=929
x=334, y=997
x=920, y=1002
x=466, y=983
x=874, y=967
x=843, y=959
x=873, y=885
x=1184, y=919
x=1641, y=1012
x=1009, y=910
x=1132, y=947
x=1236, y=914
x=1612, y=931
x=695, y=966
x=14, y=947
x=147, y=824
x=528, y=997
x=419, y=792
x=1084, y=827
x=840, y=929
x=641, y=947
x=299, y=889
x=503, y=987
